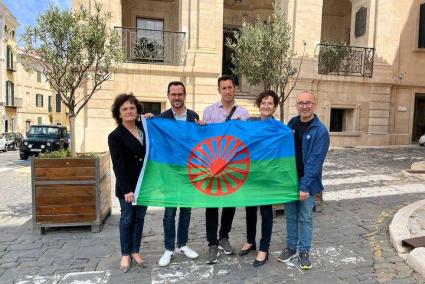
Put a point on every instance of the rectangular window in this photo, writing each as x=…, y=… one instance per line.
x=39, y=100
x=421, y=38
x=58, y=103
x=150, y=39
x=39, y=76
x=10, y=97
x=341, y=120
x=154, y=108
x=49, y=105
x=10, y=63
x=39, y=120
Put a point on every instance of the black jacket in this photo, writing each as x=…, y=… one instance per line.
x=191, y=115
x=127, y=155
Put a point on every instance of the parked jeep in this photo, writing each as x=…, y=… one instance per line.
x=43, y=139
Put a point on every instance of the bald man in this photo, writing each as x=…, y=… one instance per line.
x=311, y=147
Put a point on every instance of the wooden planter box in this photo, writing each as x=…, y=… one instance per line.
x=70, y=192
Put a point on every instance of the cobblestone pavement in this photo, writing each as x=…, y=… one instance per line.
x=364, y=188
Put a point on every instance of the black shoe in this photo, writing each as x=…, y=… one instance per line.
x=286, y=255
x=304, y=258
x=257, y=263
x=244, y=252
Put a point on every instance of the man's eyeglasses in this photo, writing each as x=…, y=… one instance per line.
x=305, y=104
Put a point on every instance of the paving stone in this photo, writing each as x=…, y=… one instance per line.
x=33, y=262
x=97, y=251
x=388, y=265
x=12, y=274
x=404, y=274
x=58, y=255
x=6, y=238
x=88, y=277
x=52, y=269
x=347, y=274
x=23, y=253
x=9, y=265
x=25, y=246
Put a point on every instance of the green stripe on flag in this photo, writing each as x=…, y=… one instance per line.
x=268, y=182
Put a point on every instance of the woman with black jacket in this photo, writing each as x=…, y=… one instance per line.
x=267, y=103
x=127, y=146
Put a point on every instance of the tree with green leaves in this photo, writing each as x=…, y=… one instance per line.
x=76, y=51
x=263, y=55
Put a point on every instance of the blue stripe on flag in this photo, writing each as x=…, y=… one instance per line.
x=165, y=137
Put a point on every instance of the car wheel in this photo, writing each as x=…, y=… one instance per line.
x=23, y=156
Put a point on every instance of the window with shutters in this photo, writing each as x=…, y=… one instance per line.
x=39, y=100
x=49, y=104
x=58, y=103
x=10, y=96
x=9, y=59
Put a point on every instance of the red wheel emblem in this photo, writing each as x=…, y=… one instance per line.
x=219, y=166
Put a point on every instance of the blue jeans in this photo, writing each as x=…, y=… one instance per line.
x=131, y=227
x=169, y=223
x=299, y=224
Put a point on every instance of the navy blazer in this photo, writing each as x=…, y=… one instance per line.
x=191, y=115
x=127, y=155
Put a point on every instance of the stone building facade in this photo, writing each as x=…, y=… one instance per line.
x=376, y=96
x=8, y=104
x=25, y=98
x=39, y=103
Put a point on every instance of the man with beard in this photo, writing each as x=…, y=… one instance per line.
x=176, y=93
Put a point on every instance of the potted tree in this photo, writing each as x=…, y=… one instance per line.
x=72, y=49
x=274, y=69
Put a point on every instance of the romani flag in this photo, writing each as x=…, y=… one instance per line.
x=230, y=164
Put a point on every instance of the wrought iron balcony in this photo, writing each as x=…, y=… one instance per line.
x=153, y=46
x=13, y=103
x=346, y=60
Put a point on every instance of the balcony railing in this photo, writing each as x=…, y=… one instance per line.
x=345, y=60
x=153, y=46
x=14, y=103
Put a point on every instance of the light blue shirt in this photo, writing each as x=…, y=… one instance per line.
x=183, y=117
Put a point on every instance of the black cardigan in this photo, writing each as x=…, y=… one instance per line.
x=127, y=155
x=191, y=115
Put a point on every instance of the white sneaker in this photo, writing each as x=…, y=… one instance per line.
x=166, y=258
x=188, y=252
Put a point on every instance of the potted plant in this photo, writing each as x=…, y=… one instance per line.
x=70, y=191
x=148, y=50
x=332, y=56
x=72, y=49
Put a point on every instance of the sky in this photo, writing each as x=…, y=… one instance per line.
x=26, y=11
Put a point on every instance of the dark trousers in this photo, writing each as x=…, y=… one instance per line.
x=266, y=225
x=131, y=227
x=211, y=218
x=169, y=223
